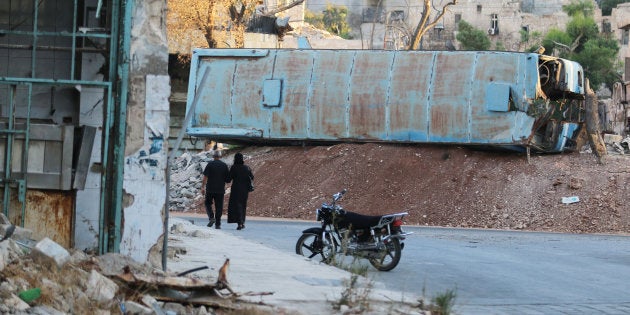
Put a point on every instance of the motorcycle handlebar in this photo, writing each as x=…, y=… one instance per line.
x=338, y=195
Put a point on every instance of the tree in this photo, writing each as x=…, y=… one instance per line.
x=333, y=19
x=216, y=20
x=424, y=25
x=530, y=40
x=471, y=38
x=222, y=23
x=582, y=42
x=598, y=59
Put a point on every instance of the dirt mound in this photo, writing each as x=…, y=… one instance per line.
x=444, y=186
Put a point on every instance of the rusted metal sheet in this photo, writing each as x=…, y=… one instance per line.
x=459, y=97
x=48, y=214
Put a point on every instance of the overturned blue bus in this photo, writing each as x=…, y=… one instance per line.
x=483, y=98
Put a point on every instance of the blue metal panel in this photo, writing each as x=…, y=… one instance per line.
x=328, y=115
x=410, y=86
x=449, y=109
x=216, y=102
x=497, y=69
x=272, y=91
x=291, y=120
x=498, y=97
x=368, y=87
x=566, y=133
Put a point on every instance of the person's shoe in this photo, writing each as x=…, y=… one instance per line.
x=240, y=227
x=218, y=227
x=210, y=223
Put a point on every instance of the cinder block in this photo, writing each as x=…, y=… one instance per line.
x=101, y=288
x=19, y=233
x=608, y=138
x=48, y=252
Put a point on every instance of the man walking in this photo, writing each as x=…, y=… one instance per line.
x=215, y=175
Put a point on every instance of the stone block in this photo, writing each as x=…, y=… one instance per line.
x=48, y=252
x=609, y=138
x=135, y=308
x=4, y=219
x=19, y=233
x=15, y=303
x=4, y=255
x=101, y=288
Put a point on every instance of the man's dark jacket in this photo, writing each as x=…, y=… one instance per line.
x=218, y=174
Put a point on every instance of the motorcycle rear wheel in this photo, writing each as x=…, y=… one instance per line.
x=389, y=257
x=312, y=245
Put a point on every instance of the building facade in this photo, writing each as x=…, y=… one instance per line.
x=83, y=111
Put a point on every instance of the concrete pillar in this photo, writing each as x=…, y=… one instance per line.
x=146, y=151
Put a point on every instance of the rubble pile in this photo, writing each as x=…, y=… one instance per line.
x=42, y=277
x=186, y=180
x=616, y=144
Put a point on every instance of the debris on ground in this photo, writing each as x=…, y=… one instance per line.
x=42, y=277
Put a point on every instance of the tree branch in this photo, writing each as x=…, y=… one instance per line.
x=284, y=8
x=423, y=27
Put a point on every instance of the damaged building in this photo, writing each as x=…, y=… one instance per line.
x=84, y=118
x=83, y=113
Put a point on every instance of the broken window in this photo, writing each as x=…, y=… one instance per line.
x=479, y=8
x=437, y=30
x=494, y=24
x=397, y=15
x=371, y=14
x=606, y=27
x=624, y=36
x=458, y=17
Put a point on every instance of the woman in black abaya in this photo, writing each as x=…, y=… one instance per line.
x=241, y=176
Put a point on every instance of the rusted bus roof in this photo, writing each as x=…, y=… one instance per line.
x=459, y=97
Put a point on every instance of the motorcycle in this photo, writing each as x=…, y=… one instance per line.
x=379, y=239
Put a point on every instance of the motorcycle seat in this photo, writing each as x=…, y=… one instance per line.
x=359, y=221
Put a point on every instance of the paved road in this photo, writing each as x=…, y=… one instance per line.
x=495, y=272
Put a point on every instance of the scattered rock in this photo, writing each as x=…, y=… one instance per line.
x=100, y=288
x=48, y=252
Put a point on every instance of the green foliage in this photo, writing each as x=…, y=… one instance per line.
x=314, y=19
x=608, y=5
x=530, y=39
x=354, y=296
x=333, y=19
x=554, y=38
x=579, y=7
x=598, y=56
x=472, y=38
x=442, y=304
x=582, y=26
x=525, y=37
x=499, y=46
x=583, y=43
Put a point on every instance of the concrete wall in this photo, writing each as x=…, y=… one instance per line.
x=513, y=15
x=147, y=126
x=619, y=20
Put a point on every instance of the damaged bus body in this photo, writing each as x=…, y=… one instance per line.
x=482, y=98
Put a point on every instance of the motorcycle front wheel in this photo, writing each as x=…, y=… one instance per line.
x=388, y=257
x=312, y=245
